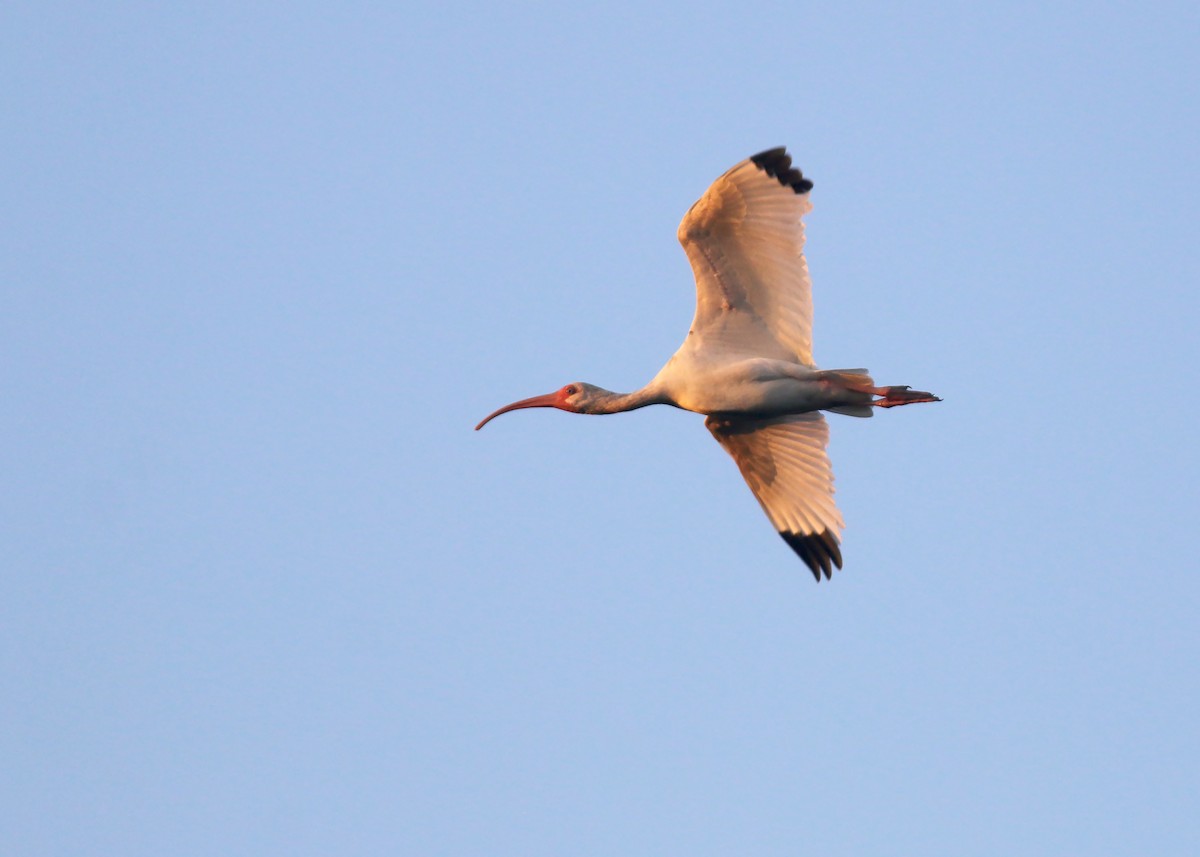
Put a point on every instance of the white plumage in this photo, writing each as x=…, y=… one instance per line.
x=747, y=359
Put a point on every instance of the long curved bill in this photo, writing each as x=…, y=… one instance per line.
x=546, y=401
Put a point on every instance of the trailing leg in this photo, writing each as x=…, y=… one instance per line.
x=896, y=396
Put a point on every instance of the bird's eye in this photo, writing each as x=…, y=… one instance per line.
x=571, y=391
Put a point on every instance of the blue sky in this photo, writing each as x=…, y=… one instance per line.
x=264, y=591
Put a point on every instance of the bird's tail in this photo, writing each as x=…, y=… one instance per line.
x=860, y=389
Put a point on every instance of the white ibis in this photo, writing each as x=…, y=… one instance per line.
x=747, y=360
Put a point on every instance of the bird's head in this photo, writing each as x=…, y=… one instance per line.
x=578, y=398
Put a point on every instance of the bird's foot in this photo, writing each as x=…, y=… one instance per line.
x=895, y=396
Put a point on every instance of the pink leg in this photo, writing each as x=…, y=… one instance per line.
x=896, y=396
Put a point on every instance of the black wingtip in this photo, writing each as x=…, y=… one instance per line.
x=777, y=163
x=820, y=551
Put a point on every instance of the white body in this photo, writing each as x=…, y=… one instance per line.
x=756, y=386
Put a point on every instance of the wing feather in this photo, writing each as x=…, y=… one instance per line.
x=745, y=240
x=783, y=460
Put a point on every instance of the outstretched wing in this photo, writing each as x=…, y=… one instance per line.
x=745, y=241
x=783, y=461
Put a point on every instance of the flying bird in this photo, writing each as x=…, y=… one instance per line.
x=747, y=359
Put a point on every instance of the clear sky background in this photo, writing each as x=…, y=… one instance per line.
x=263, y=591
